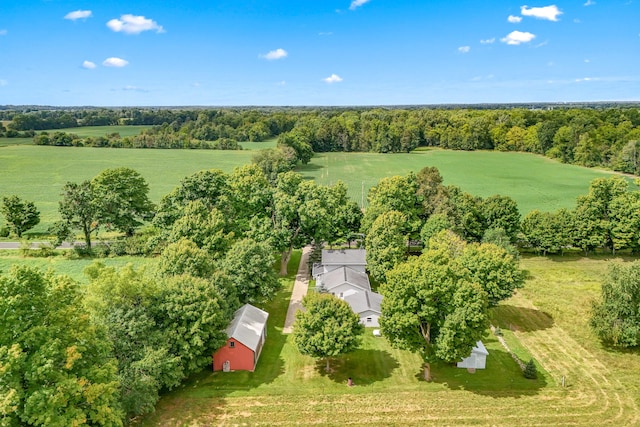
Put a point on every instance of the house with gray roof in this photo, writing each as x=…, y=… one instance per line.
x=247, y=333
x=366, y=305
x=343, y=281
x=332, y=259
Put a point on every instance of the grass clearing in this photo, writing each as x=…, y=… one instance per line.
x=73, y=268
x=290, y=389
x=38, y=173
x=533, y=181
x=95, y=131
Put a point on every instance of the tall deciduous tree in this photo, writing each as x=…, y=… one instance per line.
x=326, y=328
x=616, y=317
x=122, y=197
x=431, y=307
x=56, y=367
x=79, y=210
x=20, y=215
x=385, y=244
x=249, y=266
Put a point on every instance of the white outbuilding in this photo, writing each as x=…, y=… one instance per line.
x=477, y=359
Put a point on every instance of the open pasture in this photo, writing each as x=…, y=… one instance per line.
x=38, y=173
x=95, y=131
x=290, y=389
x=73, y=268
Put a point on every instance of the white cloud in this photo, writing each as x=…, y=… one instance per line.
x=130, y=88
x=78, y=14
x=587, y=79
x=550, y=13
x=275, y=54
x=514, y=19
x=464, y=49
x=587, y=61
x=518, y=37
x=131, y=24
x=357, y=3
x=115, y=62
x=333, y=78
x=589, y=3
x=3, y=32
x=88, y=65
x=3, y=82
x=488, y=41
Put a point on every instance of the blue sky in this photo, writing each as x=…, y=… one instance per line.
x=313, y=52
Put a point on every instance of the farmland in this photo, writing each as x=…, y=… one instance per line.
x=290, y=389
x=38, y=173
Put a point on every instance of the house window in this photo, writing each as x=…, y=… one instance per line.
x=232, y=344
x=369, y=319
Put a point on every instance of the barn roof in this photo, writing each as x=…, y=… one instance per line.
x=247, y=325
x=344, y=257
x=364, y=301
x=345, y=275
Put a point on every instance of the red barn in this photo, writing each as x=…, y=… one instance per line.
x=247, y=333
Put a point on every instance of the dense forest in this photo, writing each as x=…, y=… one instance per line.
x=607, y=136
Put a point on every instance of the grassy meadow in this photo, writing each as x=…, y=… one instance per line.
x=37, y=173
x=73, y=268
x=290, y=389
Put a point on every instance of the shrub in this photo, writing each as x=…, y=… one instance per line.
x=530, y=370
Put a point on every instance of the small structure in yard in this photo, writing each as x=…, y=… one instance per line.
x=477, y=359
x=247, y=334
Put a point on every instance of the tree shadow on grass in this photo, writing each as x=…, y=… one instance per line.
x=502, y=377
x=516, y=318
x=309, y=167
x=363, y=366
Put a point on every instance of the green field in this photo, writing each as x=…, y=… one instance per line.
x=94, y=131
x=73, y=268
x=38, y=173
x=290, y=389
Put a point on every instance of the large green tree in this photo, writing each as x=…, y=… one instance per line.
x=249, y=266
x=122, y=197
x=616, y=316
x=326, y=328
x=20, y=215
x=432, y=307
x=56, y=365
x=79, y=210
x=386, y=244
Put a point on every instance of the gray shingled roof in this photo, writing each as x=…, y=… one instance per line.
x=344, y=257
x=345, y=275
x=247, y=325
x=363, y=301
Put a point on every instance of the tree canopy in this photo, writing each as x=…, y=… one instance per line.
x=616, y=316
x=20, y=215
x=326, y=328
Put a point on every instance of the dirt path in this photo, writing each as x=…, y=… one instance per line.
x=299, y=290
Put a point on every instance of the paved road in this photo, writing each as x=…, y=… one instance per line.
x=35, y=245
x=300, y=287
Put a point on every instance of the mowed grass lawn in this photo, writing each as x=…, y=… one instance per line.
x=39, y=173
x=290, y=389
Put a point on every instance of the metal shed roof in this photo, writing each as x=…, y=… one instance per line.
x=247, y=325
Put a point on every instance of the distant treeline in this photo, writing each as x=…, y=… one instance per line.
x=606, y=137
x=146, y=139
